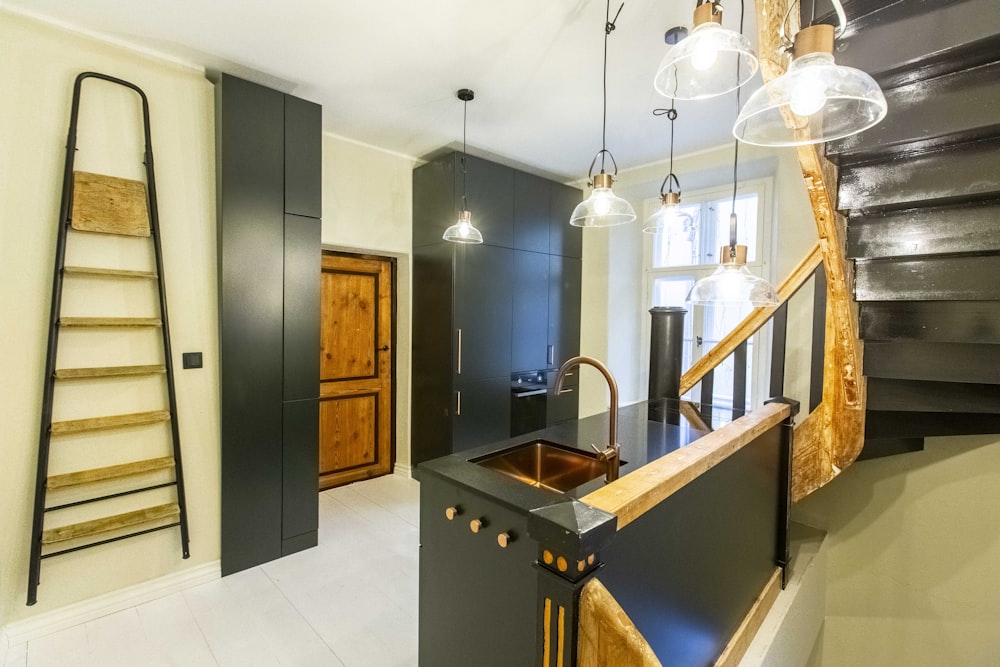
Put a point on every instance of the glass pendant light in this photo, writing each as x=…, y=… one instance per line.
x=463, y=231
x=603, y=208
x=816, y=100
x=669, y=219
x=712, y=60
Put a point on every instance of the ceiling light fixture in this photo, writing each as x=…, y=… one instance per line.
x=669, y=219
x=816, y=100
x=712, y=60
x=603, y=208
x=463, y=231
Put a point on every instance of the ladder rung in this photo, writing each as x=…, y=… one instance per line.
x=107, y=524
x=108, y=371
x=110, y=322
x=108, y=273
x=109, y=472
x=113, y=421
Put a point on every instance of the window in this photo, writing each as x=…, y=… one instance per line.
x=675, y=263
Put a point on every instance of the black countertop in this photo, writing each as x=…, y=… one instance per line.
x=646, y=432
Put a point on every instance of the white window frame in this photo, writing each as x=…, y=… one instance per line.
x=761, y=265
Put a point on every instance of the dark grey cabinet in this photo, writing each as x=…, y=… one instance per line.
x=481, y=312
x=564, y=239
x=268, y=150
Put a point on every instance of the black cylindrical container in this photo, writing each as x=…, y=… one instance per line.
x=665, y=345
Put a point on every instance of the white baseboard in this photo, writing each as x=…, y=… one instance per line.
x=19, y=632
x=403, y=470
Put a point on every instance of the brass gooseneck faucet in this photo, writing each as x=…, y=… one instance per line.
x=610, y=455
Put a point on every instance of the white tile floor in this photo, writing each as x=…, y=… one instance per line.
x=351, y=601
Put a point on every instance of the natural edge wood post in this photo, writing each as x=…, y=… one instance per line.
x=570, y=537
x=782, y=557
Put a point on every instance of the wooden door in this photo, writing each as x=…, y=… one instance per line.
x=356, y=364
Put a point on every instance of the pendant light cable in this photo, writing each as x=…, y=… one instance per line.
x=609, y=25
x=465, y=115
x=736, y=152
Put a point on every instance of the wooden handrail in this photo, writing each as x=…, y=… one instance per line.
x=639, y=491
x=757, y=318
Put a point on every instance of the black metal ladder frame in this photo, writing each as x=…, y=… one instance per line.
x=34, y=568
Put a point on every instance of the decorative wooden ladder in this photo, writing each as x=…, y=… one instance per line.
x=104, y=205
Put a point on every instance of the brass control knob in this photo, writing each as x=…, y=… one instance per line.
x=452, y=512
x=503, y=539
x=476, y=524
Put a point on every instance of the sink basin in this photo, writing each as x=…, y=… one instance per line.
x=545, y=465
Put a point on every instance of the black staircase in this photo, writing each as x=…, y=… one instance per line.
x=921, y=192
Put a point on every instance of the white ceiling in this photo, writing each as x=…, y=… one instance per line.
x=386, y=71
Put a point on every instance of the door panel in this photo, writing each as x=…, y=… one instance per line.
x=483, y=303
x=529, y=349
x=564, y=308
x=356, y=363
x=482, y=412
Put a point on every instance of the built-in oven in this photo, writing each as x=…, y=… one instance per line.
x=528, y=399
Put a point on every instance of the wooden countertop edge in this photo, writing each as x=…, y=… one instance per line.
x=634, y=494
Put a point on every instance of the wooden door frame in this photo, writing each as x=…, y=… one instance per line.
x=393, y=280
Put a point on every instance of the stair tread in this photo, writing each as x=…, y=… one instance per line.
x=932, y=321
x=109, y=472
x=877, y=448
x=109, y=422
x=116, y=273
x=890, y=424
x=111, y=523
x=929, y=230
x=931, y=278
x=920, y=396
x=108, y=371
x=110, y=322
x=939, y=362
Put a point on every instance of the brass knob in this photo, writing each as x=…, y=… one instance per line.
x=476, y=524
x=503, y=539
x=452, y=512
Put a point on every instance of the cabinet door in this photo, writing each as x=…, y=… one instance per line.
x=564, y=307
x=302, y=307
x=564, y=238
x=482, y=412
x=531, y=212
x=565, y=406
x=483, y=294
x=529, y=333
x=435, y=205
x=490, y=198
x=300, y=475
x=303, y=157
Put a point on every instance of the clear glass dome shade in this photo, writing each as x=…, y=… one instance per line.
x=603, y=208
x=815, y=101
x=669, y=219
x=463, y=231
x=732, y=284
x=705, y=64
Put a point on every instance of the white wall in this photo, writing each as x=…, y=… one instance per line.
x=37, y=70
x=913, y=549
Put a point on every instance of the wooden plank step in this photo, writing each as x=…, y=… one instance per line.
x=108, y=273
x=92, y=322
x=934, y=230
x=109, y=205
x=939, y=362
x=918, y=396
x=958, y=172
x=922, y=115
x=919, y=39
x=110, y=422
x=932, y=321
x=933, y=278
x=108, y=371
x=109, y=472
x=107, y=524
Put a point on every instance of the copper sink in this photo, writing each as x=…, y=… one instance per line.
x=546, y=465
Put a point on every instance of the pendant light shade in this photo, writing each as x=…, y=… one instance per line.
x=732, y=284
x=603, y=208
x=463, y=231
x=669, y=218
x=815, y=101
x=712, y=60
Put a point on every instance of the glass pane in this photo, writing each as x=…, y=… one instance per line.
x=679, y=247
x=671, y=292
x=715, y=231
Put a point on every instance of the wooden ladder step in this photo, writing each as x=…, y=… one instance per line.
x=108, y=371
x=113, y=421
x=109, y=205
x=109, y=472
x=90, y=322
x=108, y=273
x=107, y=524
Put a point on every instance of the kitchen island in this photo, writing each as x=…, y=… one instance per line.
x=685, y=540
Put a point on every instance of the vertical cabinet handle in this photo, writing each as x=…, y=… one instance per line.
x=552, y=355
x=459, y=351
x=458, y=403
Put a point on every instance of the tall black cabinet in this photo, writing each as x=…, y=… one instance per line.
x=483, y=312
x=268, y=162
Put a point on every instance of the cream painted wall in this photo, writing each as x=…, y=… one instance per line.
x=37, y=70
x=614, y=313
x=913, y=551
x=368, y=208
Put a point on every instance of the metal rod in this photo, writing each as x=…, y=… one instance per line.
x=740, y=380
x=779, y=336
x=818, y=339
x=108, y=497
x=109, y=541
